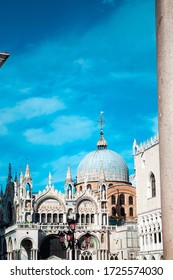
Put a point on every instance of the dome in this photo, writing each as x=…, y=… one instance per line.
x=112, y=164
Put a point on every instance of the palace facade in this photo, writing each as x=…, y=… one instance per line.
x=147, y=173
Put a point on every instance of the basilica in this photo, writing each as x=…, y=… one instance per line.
x=95, y=219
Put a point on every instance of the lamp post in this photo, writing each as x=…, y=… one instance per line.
x=72, y=243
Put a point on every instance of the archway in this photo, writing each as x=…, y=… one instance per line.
x=51, y=247
x=25, y=249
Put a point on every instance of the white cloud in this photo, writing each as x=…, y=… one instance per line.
x=28, y=109
x=132, y=75
x=64, y=129
x=25, y=90
x=154, y=124
x=58, y=168
x=84, y=64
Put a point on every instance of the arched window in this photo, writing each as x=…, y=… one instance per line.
x=113, y=211
x=122, y=212
x=87, y=218
x=130, y=200
x=102, y=238
x=131, y=212
x=92, y=218
x=82, y=219
x=89, y=187
x=153, y=185
x=113, y=199
x=122, y=199
x=61, y=218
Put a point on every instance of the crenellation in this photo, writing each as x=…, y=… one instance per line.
x=140, y=148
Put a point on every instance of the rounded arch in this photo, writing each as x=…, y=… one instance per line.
x=27, y=238
x=51, y=246
x=89, y=187
x=94, y=243
x=26, y=246
x=47, y=198
x=10, y=245
x=130, y=200
x=84, y=199
x=122, y=199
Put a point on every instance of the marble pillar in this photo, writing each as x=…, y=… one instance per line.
x=164, y=26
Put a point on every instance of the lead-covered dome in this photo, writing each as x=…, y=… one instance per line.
x=111, y=163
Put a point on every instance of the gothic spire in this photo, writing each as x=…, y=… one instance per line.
x=27, y=172
x=9, y=173
x=68, y=175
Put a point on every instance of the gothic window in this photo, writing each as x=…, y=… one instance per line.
x=131, y=212
x=122, y=199
x=130, y=200
x=153, y=185
x=113, y=199
x=155, y=237
x=160, y=237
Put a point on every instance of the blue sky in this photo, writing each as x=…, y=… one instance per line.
x=68, y=61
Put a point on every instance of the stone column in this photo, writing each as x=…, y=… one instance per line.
x=164, y=21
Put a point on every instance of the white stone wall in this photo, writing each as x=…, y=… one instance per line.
x=145, y=163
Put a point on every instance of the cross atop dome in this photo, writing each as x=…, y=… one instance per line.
x=101, y=144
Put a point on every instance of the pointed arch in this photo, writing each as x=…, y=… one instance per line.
x=153, y=184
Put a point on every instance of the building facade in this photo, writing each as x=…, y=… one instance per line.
x=101, y=201
x=146, y=159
